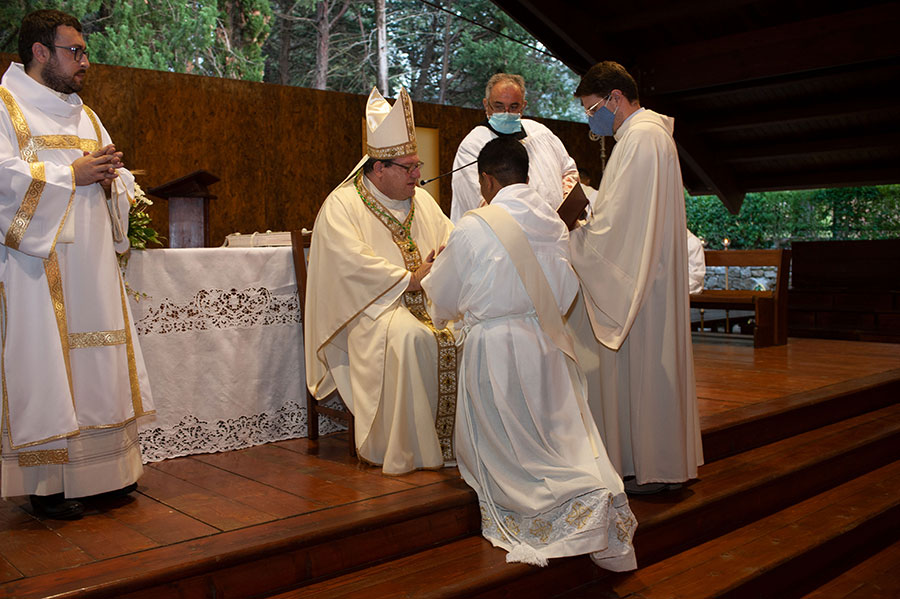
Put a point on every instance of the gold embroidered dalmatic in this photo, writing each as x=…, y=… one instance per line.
x=68, y=336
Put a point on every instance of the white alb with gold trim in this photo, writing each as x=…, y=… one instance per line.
x=71, y=363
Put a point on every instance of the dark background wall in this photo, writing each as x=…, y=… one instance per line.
x=278, y=150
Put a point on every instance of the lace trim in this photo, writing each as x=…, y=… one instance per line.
x=192, y=436
x=591, y=511
x=220, y=309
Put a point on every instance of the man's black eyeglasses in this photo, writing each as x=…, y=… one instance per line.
x=77, y=52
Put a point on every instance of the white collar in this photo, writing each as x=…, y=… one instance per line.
x=385, y=201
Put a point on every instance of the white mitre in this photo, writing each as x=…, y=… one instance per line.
x=390, y=130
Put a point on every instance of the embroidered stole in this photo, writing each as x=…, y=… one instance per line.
x=415, y=303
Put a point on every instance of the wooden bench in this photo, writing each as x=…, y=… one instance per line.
x=769, y=307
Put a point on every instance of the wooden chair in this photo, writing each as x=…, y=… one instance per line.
x=299, y=244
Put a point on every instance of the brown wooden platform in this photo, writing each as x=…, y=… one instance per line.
x=782, y=425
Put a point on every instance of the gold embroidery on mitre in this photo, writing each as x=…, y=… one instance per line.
x=43, y=457
x=445, y=418
x=27, y=208
x=406, y=148
x=96, y=339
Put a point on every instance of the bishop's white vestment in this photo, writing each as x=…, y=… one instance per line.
x=551, y=171
x=370, y=339
x=633, y=266
x=73, y=374
x=525, y=438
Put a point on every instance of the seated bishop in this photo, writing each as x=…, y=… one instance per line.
x=367, y=329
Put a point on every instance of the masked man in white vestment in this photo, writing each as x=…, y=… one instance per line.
x=632, y=262
x=367, y=330
x=525, y=438
x=73, y=375
x=552, y=173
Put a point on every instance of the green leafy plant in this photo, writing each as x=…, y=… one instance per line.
x=140, y=233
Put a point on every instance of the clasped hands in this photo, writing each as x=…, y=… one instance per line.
x=415, y=281
x=98, y=166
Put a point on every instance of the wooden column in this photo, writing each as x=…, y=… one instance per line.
x=188, y=198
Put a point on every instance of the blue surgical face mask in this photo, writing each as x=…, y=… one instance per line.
x=506, y=122
x=601, y=122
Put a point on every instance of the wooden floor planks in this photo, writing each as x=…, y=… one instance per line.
x=199, y=497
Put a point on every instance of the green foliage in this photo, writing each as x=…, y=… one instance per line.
x=775, y=219
x=223, y=38
x=161, y=35
x=419, y=37
x=12, y=12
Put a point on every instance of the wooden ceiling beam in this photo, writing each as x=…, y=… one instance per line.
x=855, y=36
x=559, y=36
x=651, y=14
x=808, y=147
x=695, y=156
x=794, y=112
x=843, y=177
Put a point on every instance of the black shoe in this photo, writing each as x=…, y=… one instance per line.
x=56, y=507
x=121, y=492
x=116, y=493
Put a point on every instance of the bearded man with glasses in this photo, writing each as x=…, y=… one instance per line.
x=366, y=326
x=73, y=375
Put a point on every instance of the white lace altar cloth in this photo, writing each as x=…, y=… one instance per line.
x=222, y=339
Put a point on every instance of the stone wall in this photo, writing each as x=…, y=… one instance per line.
x=741, y=277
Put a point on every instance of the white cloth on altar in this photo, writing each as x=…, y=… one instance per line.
x=361, y=339
x=632, y=261
x=523, y=442
x=549, y=164
x=79, y=367
x=223, y=343
x=696, y=263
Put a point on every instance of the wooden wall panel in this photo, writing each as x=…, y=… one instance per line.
x=278, y=150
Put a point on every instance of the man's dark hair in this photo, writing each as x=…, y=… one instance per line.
x=505, y=159
x=604, y=77
x=40, y=26
x=369, y=165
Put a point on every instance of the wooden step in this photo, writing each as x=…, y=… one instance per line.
x=275, y=555
x=740, y=429
x=791, y=549
x=730, y=494
x=876, y=577
x=740, y=489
